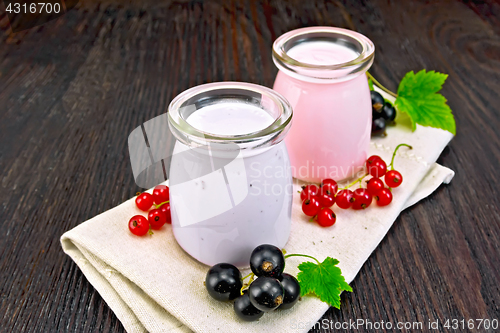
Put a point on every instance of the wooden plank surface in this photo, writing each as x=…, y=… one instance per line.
x=73, y=89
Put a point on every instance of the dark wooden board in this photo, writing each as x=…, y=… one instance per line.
x=73, y=89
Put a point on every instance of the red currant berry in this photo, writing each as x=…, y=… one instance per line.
x=374, y=185
x=165, y=208
x=144, y=201
x=326, y=217
x=377, y=168
x=371, y=159
x=326, y=196
x=330, y=182
x=362, y=199
x=309, y=191
x=160, y=194
x=344, y=199
x=383, y=197
x=138, y=225
x=311, y=207
x=393, y=178
x=156, y=219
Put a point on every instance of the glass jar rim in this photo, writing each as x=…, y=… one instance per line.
x=190, y=135
x=286, y=41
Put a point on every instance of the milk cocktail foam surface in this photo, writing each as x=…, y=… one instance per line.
x=230, y=119
x=232, y=202
x=321, y=53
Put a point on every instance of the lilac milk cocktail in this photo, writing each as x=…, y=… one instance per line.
x=230, y=179
x=322, y=74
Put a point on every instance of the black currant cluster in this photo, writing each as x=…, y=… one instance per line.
x=383, y=113
x=272, y=289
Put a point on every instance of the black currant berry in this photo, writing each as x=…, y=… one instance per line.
x=388, y=112
x=377, y=114
x=378, y=126
x=266, y=293
x=292, y=291
x=267, y=260
x=245, y=310
x=377, y=100
x=223, y=282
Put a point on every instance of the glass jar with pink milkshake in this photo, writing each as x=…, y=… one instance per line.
x=322, y=74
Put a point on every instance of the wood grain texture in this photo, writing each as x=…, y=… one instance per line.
x=73, y=89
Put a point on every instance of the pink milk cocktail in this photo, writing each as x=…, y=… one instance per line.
x=322, y=74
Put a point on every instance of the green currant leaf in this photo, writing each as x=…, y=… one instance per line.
x=418, y=97
x=325, y=280
x=370, y=83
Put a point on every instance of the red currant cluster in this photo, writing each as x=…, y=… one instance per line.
x=317, y=200
x=157, y=217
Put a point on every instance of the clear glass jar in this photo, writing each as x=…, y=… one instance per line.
x=230, y=179
x=321, y=73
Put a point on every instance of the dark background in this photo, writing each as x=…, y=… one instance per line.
x=73, y=89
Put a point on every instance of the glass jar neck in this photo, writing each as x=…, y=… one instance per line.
x=244, y=99
x=323, y=54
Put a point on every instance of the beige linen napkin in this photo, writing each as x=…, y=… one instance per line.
x=153, y=285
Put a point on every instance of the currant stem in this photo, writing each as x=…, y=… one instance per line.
x=243, y=279
x=301, y=255
x=354, y=182
x=378, y=84
x=394, y=154
x=246, y=285
x=161, y=204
